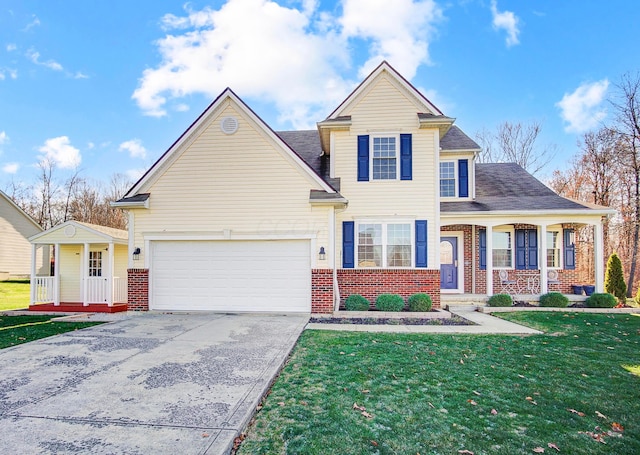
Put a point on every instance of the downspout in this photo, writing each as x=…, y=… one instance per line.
x=336, y=290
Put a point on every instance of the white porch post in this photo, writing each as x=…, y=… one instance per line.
x=56, y=274
x=33, y=284
x=598, y=251
x=489, y=259
x=544, y=281
x=110, y=282
x=84, y=275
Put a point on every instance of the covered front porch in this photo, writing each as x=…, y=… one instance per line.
x=87, y=273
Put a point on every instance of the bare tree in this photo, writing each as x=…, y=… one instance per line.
x=516, y=143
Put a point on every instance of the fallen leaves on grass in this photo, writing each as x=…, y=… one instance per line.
x=363, y=410
x=531, y=400
x=551, y=445
x=465, y=452
x=601, y=415
x=573, y=411
x=538, y=449
x=595, y=436
x=494, y=412
x=615, y=426
x=359, y=408
x=472, y=402
x=374, y=443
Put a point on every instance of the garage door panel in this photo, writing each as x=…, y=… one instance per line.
x=231, y=275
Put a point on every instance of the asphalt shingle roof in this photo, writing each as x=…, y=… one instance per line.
x=456, y=139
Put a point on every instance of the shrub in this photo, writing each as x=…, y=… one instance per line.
x=601, y=300
x=420, y=302
x=500, y=300
x=614, y=278
x=355, y=302
x=389, y=302
x=554, y=299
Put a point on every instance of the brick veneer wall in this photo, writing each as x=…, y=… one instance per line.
x=138, y=290
x=322, y=291
x=370, y=283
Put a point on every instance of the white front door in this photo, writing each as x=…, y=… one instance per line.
x=97, y=279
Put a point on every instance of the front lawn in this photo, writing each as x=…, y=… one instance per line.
x=16, y=330
x=14, y=295
x=573, y=390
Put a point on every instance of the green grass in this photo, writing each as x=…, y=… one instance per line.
x=16, y=330
x=434, y=394
x=14, y=295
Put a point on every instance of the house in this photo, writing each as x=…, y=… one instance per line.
x=15, y=229
x=89, y=271
x=385, y=196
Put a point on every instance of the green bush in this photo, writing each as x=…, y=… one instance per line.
x=500, y=300
x=614, y=278
x=389, y=302
x=420, y=302
x=554, y=299
x=602, y=300
x=355, y=302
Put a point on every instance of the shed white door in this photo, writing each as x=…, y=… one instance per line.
x=264, y=276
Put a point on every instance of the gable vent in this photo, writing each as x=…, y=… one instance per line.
x=229, y=125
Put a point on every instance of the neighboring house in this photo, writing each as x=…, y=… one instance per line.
x=89, y=271
x=15, y=229
x=384, y=197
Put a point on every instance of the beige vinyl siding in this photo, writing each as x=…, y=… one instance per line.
x=120, y=260
x=240, y=182
x=81, y=236
x=69, y=268
x=15, y=249
x=387, y=109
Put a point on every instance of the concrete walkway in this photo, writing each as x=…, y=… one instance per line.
x=151, y=384
x=485, y=324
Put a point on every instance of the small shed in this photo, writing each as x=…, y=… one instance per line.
x=88, y=269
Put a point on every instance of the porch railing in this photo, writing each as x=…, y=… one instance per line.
x=44, y=289
x=97, y=290
x=119, y=290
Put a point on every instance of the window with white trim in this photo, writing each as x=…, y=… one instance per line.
x=502, y=253
x=95, y=263
x=384, y=158
x=384, y=245
x=447, y=179
x=553, y=249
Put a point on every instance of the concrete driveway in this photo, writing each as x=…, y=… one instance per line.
x=151, y=384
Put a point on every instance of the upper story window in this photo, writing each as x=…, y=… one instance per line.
x=447, y=179
x=384, y=158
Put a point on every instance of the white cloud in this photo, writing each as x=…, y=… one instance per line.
x=34, y=56
x=135, y=174
x=34, y=23
x=400, y=34
x=13, y=74
x=182, y=107
x=507, y=21
x=582, y=109
x=3, y=138
x=134, y=147
x=10, y=168
x=11, y=47
x=60, y=151
x=291, y=57
x=79, y=75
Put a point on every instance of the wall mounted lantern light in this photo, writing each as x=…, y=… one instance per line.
x=322, y=255
x=136, y=254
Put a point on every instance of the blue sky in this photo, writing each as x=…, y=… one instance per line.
x=106, y=87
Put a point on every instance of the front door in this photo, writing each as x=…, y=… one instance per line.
x=448, y=262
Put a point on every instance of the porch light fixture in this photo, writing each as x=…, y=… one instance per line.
x=322, y=255
x=136, y=254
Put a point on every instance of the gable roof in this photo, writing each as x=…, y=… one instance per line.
x=456, y=140
x=19, y=210
x=504, y=187
x=103, y=233
x=137, y=196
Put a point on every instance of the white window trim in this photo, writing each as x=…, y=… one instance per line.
x=455, y=177
x=510, y=230
x=384, y=224
x=560, y=249
x=384, y=135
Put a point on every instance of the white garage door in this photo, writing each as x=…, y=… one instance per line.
x=265, y=276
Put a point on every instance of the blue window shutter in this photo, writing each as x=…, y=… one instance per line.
x=363, y=158
x=421, y=243
x=482, y=235
x=463, y=178
x=348, y=244
x=521, y=250
x=569, y=250
x=405, y=157
x=532, y=249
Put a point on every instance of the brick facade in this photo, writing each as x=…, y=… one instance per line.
x=322, y=291
x=370, y=283
x=138, y=290
x=467, y=250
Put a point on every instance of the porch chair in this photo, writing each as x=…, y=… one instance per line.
x=507, y=286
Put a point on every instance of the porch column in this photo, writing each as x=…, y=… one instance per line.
x=56, y=274
x=489, y=259
x=110, y=280
x=544, y=279
x=33, y=285
x=598, y=251
x=84, y=274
